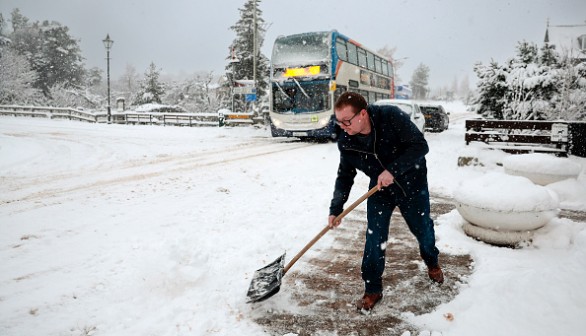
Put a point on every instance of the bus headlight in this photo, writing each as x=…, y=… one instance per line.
x=323, y=122
x=278, y=123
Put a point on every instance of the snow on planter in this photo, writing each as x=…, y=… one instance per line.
x=542, y=169
x=503, y=209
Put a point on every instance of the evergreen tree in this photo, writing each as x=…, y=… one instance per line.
x=243, y=48
x=151, y=89
x=4, y=41
x=536, y=84
x=548, y=56
x=526, y=53
x=19, y=21
x=50, y=50
x=419, y=81
x=530, y=84
x=64, y=61
x=492, y=88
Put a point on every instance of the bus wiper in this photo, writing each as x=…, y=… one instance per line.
x=303, y=91
x=282, y=91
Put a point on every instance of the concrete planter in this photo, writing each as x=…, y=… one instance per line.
x=542, y=169
x=505, y=220
x=504, y=210
x=494, y=237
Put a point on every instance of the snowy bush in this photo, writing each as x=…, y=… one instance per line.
x=534, y=85
x=17, y=81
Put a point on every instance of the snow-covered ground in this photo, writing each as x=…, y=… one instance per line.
x=150, y=230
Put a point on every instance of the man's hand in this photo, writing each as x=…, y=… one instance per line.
x=332, y=222
x=385, y=179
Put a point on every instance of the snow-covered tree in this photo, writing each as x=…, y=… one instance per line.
x=492, y=87
x=50, y=50
x=64, y=63
x=4, y=40
x=531, y=84
x=570, y=102
x=19, y=21
x=243, y=47
x=419, y=81
x=151, y=89
x=536, y=84
x=549, y=56
x=521, y=94
x=197, y=94
x=16, y=86
x=93, y=77
x=63, y=95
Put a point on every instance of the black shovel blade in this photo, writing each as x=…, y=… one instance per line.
x=266, y=281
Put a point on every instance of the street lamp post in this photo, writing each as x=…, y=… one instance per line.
x=233, y=61
x=108, y=44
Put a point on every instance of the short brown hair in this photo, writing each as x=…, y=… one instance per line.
x=351, y=98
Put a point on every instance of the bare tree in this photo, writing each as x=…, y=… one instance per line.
x=419, y=81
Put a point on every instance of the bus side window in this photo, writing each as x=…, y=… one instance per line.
x=341, y=49
x=378, y=64
x=370, y=62
x=385, y=68
x=352, y=54
x=362, y=57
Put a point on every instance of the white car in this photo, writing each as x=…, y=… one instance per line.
x=409, y=107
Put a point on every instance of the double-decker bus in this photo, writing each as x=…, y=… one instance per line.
x=309, y=71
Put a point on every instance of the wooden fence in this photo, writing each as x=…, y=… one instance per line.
x=520, y=136
x=130, y=117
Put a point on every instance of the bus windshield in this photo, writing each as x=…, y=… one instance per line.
x=298, y=97
x=301, y=49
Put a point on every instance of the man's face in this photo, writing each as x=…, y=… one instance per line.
x=350, y=120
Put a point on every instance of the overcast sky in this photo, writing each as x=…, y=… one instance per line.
x=185, y=36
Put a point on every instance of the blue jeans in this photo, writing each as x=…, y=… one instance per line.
x=415, y=211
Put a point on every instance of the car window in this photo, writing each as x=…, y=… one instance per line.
x=429, y=109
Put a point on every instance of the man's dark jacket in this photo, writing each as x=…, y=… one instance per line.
x=394, y=144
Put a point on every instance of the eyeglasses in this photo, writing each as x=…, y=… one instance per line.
x=349, y=121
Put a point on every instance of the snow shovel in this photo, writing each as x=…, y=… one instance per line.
x=266, y=281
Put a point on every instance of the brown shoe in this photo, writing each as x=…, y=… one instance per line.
x=436, y=274
x=368, y=301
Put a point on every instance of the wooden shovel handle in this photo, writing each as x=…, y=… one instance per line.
x=327, y=228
